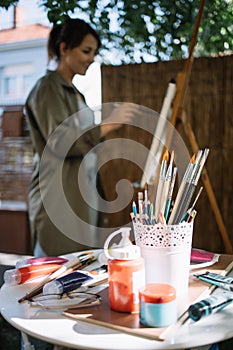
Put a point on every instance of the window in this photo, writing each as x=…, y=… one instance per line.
x=16, y=81
x=9, y=86
x=26, y=82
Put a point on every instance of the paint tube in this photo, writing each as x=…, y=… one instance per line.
x=41, y=260
x=66, y=283
x=28, y=273
x=209, y=305
x=218, y=280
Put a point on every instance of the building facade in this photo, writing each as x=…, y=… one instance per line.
x=23, y=59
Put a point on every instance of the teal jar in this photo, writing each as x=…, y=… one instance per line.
x=158, y=305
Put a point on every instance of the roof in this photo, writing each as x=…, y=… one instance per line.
x=24, y=33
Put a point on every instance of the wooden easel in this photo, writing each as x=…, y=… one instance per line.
x=178, y=114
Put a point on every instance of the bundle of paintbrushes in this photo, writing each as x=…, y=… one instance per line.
x=162, y=211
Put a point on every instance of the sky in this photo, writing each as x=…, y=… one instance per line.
x=30, y=12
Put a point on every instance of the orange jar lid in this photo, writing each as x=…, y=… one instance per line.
x=157, y=293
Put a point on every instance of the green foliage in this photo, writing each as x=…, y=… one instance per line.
x=58, y=11
x=147, y=30
x=7, y=3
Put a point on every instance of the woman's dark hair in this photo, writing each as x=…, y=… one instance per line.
x=72, y=33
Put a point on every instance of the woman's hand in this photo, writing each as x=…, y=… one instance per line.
x=122, y=114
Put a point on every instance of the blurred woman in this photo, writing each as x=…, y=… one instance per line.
x=64, y=135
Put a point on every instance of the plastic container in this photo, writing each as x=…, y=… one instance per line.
x=166, y=251
x=158, y=305
x=126, y=272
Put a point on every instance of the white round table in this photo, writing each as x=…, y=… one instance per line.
x=52, y=326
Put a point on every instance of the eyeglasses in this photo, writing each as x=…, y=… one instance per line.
x=65, y=301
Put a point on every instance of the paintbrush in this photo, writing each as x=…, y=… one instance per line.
x=166, y=186
x=192, y=186
x=181, y=190
x=161, y=184
x=170, y=192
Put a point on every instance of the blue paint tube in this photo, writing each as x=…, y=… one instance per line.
x=209, y=305
x=218, y=280
x=66, y=283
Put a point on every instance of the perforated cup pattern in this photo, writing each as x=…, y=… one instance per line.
x=161, y=236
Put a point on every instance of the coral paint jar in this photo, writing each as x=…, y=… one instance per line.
x=158, y=305
x=126, y=273
x=125, y=279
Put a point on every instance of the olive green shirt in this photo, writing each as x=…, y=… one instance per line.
x=58, y=213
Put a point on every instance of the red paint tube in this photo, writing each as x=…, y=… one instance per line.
x=40, y=261
x=199, y=255
x=28, y=273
